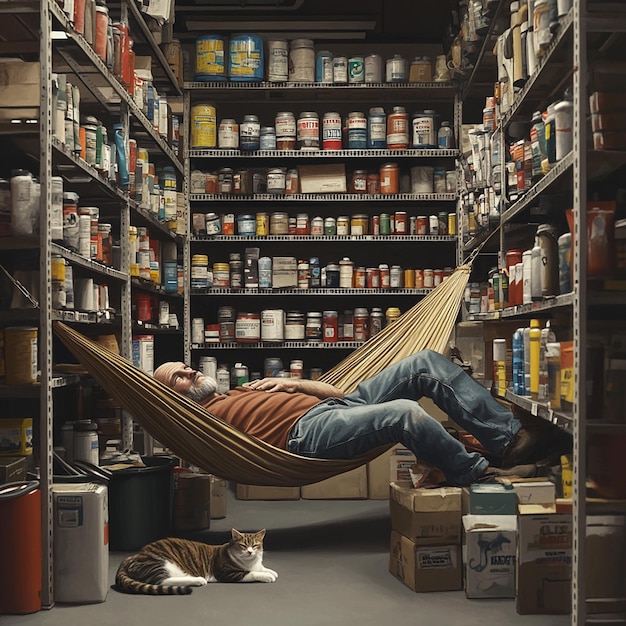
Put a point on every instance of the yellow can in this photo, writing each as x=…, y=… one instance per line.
x=203, y=126
x=20, y=355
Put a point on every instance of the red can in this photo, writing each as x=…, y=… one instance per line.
x=385, y=278
x=359, y=278
x=373, y=184
x=419, y=279
x=375, y=221
x=421, y=225
x=372, y=278
x=400, y=223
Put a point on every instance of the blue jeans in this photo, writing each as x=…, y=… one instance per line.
x=383, y=410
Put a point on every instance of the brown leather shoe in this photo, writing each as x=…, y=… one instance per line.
x=533, y=444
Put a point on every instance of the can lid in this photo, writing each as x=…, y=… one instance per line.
x=85, y=426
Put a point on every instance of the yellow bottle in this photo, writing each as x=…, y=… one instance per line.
x=535, y=352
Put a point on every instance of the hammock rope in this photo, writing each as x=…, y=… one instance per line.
x=204, y=440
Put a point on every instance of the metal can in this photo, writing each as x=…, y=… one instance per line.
x=267, y=140
x=285, y=125
x=308, y=131
x=373, y=183
x=389, y=178
x=385, y=277
x=324, y=67
x=197, y=331
x=228, y=224
x=330, y=326
x=313, y=330
x=409, y=279
x=294, y=326
x=423, y=134
x=317, y=226
x=228, y=135
x=225, y=180
x=385, y=224
x=400, y=223
x=203, y=126
x=331, y=131
x=277, y=61
x=343, y=225
x=421, y=225
x=330, y=226
x=272, y=325
x=213, y=224
x=247, y=327
x=302, y=61
x=262, y=224
x=250, y=133
x=396, y=69
x=340, y=70
x=276, y=180
x=433, y=225
x=372, y=278
x=373, y=68
x=429, y=279
x=296, y=368
x=377, y=128
x=398, y=129
x=358, y=183
x=279, y=223
x=359, y=224
x=272, y=366
x=443, y=222
x=395, y=277
x=359, y=278
x=375, y=224
x=356, y=70
x=419, y=279
x=357, y=131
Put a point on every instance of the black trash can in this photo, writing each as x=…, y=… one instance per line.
x=141, y=503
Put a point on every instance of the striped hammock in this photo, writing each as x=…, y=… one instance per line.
x=204, y=440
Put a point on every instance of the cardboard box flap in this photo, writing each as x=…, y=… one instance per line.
x=481, y=523
x=426, y=500
x=490, y=488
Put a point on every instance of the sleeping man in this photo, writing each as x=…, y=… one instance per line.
x=315, y=419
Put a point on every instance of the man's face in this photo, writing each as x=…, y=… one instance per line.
x=186, y=380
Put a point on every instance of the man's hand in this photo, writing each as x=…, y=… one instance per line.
x=296, y=385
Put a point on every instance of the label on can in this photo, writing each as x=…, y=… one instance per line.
x=203, y=126
x=373, y=69
x=277, y=61
x=340, y=70
x=331, y=132
x=272, y=325
x=324, y=67
x=228, y=134
x=356, y=70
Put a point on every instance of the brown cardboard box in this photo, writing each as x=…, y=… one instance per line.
x=256, y=492
x=192, y=501
x=350, y=485
x=426, y=516
x=605, y=563
x=425, y=568
x=219, y=487
x=13, y=469
x=400, y=464
x=327, y=178
x=608, y=121
x=607, y=102
x=378, y=476
x=609, y=140
x=544, y=564
x=19, y=89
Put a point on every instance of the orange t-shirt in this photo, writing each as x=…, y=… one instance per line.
x=268, y=415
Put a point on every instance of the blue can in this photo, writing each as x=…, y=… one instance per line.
x=245, y=58
x=356, y=70
x=324, y=67
x=357, y=131
x=170, y=276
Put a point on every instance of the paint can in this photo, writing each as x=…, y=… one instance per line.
x=210, y=64
x=272, y=325
x=20, y=355
x=203, y=126
x=245, y=58
x=277, y=61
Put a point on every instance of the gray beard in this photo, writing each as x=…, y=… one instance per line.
x=200, y=392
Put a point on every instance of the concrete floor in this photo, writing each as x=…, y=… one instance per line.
x=332, y=561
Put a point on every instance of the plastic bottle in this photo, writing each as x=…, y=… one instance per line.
x=535, y=353
x=120, y=150
x=499, y=367
x=563, y=123
x=519, y=387
x=535, y=271
x=553, y=358
x=547, y=336
x=526, y=332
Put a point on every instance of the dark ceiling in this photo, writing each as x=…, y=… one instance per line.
x=382, y=21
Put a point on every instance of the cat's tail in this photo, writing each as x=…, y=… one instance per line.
x=126, y=584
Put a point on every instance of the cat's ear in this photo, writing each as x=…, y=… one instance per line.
x=261, y=534
x=236, y=534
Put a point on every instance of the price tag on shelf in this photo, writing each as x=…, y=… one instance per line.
x=533, y=409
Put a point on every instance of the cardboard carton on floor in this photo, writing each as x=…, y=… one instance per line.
x=605, y=564
x=218, y=497
x=426, y=516
x=351, y=485
x=544, y=564
x=378, y=475
x=256, y=492
x=489, y=544
x=425, y=568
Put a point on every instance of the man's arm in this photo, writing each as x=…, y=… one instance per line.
x=297, y=385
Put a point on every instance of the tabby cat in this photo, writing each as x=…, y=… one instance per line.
x=174, y=566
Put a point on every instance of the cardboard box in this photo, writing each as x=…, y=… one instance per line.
x=489, y=499
x=378, y=476
x=544, y=564
x=219, y=487
x=535, y=492
x=426, y=516
x=13, y=469
x=605, y=563
x=489, y=546
x=192, y=501
x=20, y=90
x=400, y=462
x=327, y=178
x=608, y=121
x=284, y=272
x=16, y=436
x=609, y=140
x=256, y=492
x=606, y=102
x=425, y=568
x=351, y=485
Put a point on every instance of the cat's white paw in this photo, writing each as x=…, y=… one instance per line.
x=271, y=571
x=267, y=576
x=198, y=581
